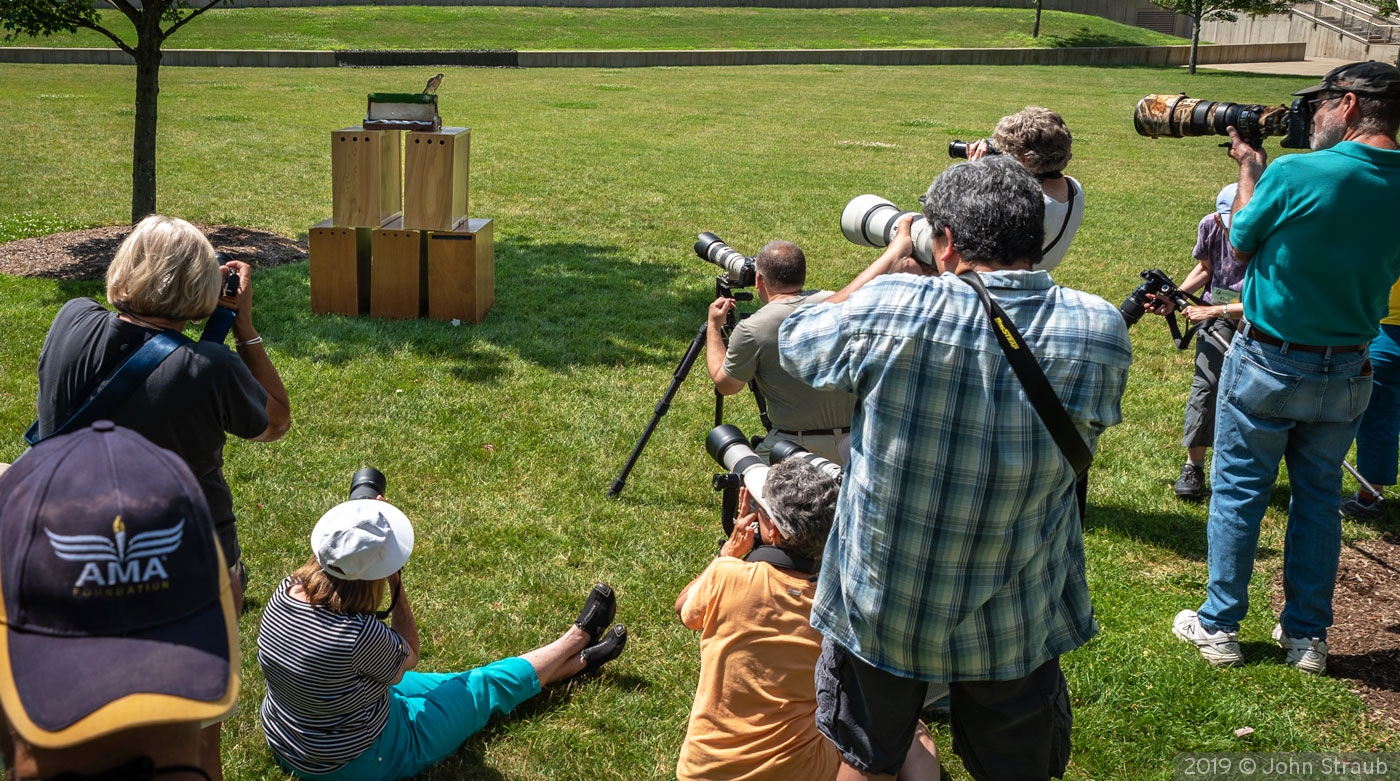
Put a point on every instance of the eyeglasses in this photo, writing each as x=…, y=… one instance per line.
x=1317, y=103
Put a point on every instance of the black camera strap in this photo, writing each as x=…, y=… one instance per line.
x=1069, y=212
x=781, y=558
x=1047, y=405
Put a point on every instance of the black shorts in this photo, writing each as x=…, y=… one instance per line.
x=1017, y=729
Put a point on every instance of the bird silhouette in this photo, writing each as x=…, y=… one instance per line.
x=433, y=83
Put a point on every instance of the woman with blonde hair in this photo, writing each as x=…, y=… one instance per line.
x=163, y=276
x=343, y=701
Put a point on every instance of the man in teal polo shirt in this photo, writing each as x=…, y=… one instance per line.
x=1321, y=238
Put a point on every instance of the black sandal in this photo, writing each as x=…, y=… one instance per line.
x=599, y=654
x=598, y=611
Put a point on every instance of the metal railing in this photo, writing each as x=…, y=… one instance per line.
x=1352, y=19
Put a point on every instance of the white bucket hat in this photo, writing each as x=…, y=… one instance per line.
x=363, y=539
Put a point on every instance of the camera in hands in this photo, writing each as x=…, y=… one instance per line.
x=958, y=149
x=1158, y=286
x=728, y=446
x=739, y=269
x=368, y=483
x=869, y=220
x=1176, y=116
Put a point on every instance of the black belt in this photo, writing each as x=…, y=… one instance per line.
x=1253, y=332
x=816, y=432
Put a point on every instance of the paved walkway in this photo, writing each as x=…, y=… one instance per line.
x=1312, y=66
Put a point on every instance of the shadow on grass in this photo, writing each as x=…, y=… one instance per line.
x=1084, y=37
x=1182, y=533
x=1378, y=669
x=468, y=762
x=558, y=305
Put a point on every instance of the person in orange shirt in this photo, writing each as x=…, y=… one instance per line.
x=754, y=714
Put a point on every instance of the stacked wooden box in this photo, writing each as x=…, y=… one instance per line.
x=399, y=243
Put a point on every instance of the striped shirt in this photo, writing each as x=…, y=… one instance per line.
x=328, y=680
x=957, y=552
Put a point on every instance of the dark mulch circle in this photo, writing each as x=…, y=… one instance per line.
x=1364, y=641
x=85, y=254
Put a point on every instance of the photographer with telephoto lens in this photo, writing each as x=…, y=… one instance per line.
x=1321, y=245
x=342, y=699
x=755, y=703
x=958, y=506
x=817, y=420
x=1038, y=139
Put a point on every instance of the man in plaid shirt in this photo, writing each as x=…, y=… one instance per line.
x=957, y=554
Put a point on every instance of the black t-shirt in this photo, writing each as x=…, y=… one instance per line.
x=187, y=404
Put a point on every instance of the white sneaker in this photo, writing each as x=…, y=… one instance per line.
x=1308, y=654
x=1221, y=649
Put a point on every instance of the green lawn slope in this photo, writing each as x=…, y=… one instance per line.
x=489, y=27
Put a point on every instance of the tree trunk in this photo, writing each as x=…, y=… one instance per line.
x=1035, y=31
x=1195, y=39
x=143, y=148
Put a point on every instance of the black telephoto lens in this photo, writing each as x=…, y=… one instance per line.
x=368, y=483
x=957, y=149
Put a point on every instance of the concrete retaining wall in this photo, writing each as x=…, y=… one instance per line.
x=1322, y=41
x=1105, y=56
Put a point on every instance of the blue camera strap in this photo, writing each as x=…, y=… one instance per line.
x=113, y=392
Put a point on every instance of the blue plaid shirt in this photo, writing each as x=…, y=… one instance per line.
x=957, y=552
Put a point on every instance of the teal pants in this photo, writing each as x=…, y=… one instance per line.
x=432, y=714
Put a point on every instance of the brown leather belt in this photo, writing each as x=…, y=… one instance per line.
x=1253, y=332
x=816, y=432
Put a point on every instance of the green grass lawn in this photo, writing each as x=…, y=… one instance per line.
x=483, y=27
x=500, y=440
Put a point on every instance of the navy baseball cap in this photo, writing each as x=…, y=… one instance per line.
x=117, y=611
x=1364, y=78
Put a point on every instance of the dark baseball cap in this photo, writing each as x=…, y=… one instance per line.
x=116, y=608
x=1363, y=78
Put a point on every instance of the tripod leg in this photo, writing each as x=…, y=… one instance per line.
x=1360, y=479
x=662, y=407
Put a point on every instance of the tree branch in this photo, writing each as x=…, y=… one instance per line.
x=99, y=28
x=129, y=10
x=186, y=20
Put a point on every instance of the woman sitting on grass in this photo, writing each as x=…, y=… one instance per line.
x=341, y=701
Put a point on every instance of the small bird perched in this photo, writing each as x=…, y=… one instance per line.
x=433, y=85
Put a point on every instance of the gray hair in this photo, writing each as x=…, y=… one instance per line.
x=1379, y=114
x=994, y=208
x=803, y=501
x=782, y=264
x=1038, y=136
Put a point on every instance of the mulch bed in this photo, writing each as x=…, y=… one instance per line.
x=1364, y=641
x=84, y=254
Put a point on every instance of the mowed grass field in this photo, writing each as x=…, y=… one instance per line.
x=500, y=440
x=490, y=27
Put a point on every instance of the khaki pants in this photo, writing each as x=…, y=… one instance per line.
x=827, y=446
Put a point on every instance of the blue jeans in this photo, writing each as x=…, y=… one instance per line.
x=1378, y=439
x=432, y=714
x=1302, y=408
